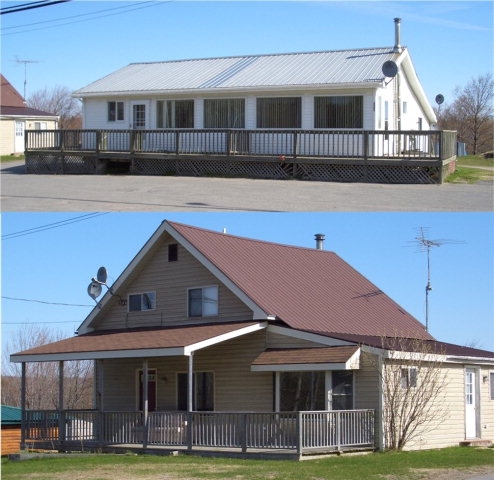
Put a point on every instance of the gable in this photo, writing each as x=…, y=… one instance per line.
x=9, y=96
x=168, y=282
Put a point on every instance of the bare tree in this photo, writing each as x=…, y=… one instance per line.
x=412, y=381
x=58, y=101
x=471, y=114
x=42, y=377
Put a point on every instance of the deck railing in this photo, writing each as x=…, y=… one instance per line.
x=301, y=432
x=289, y=144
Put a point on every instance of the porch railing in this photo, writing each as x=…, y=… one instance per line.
x=289, y=144
x=301, y=432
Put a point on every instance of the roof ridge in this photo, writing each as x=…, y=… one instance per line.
x=249, y=239
x=259, y=55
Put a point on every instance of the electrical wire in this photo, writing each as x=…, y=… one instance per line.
x=95, y=16
x=50, y=226
x=30, y=6
x=46, y=303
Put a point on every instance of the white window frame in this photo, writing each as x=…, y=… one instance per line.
x=203, y=315
x=409, y=380
x=117, y=119
x=141, y=294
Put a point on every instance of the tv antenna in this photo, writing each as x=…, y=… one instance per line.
x=94, y=289
x=426, y=245
x=25, y=62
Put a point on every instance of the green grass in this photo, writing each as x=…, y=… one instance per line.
x=11, y=158
x=402, y=465
x=466, y=174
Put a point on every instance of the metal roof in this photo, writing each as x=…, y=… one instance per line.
x=310, y=69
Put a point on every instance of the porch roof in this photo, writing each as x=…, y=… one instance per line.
x=132, y=343
x=299, y=359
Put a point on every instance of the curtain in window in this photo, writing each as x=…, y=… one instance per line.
x=338, y=112
x=224, y=113
x=175, y=114
x=279, y=112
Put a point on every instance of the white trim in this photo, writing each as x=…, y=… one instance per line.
x=310, y=337
x=224, y=337
x=299, y=367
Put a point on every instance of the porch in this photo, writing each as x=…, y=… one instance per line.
x=322, y=155
x=275, y=434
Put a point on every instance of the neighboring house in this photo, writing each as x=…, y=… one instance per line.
x=16, y=117
x=335, y=89
x=221, y=325
x=11, y=429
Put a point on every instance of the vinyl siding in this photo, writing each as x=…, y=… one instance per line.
x=170, y=281
x=236, y=387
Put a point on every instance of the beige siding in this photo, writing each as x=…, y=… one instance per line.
x=236, y=387
x=7, y=137
x=170, y=281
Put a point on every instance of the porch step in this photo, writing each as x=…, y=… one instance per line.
x=476, y=443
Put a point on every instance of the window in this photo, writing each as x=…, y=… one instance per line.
x=338, y=112
x=279, y=112
x=300, y=391
x=40, y=125
x=405, y=107
x=115, y=111
x=408, y=377
x=141, y=302
x=202, y=388
x=342, y=390
x=175, y=114
x=172, y=252
x=224, y=113
x=203, y=302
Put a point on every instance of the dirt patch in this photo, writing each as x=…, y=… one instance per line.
x=445, y=473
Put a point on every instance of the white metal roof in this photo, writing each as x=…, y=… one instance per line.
x=311, y=69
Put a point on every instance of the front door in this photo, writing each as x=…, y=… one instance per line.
x=138, y=116
x=19, y=137
x=471, y=410
x=151, y=390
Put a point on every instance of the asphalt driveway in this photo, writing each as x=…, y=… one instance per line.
x=21, y=192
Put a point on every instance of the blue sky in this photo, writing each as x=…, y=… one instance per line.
x=75, y=43
x=56, y=265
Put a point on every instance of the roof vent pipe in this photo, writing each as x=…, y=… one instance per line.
x=397, y=48
x=319, y=241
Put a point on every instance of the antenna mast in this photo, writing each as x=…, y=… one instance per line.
x=25, y=62
x=426, y=245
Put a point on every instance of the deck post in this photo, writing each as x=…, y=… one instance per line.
x=61, y=416
x=300, y=430
x=145, y=402
x=338, y=431
x=243, y=431
x=23, y=406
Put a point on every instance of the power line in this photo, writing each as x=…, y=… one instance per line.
x=50, y=226
x=46, y=303
x=96, y=16
x=30, y=6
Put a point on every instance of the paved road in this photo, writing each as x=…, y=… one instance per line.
x=22, y=192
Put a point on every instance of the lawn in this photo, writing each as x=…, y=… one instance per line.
x=433, y=464
x=11, y=158
x=472, y=169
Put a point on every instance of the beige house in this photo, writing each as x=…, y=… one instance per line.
x=251, y=346
x=16, y=117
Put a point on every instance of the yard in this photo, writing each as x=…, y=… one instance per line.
x=447, y=464
x=472, y=169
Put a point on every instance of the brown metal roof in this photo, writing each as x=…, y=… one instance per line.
x=9, y=96
x=107, y=343
x=292, y=356
x=308, y=289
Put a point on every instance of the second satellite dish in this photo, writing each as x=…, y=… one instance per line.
x=94, y=290
x=102, y=276
x=439, y=99
x=390, y=69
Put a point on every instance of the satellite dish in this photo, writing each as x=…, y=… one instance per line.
x=439, y=99
x=390, y=69
x=94, y=290
x=102, y=276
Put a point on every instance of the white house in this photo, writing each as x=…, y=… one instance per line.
x=334, y=89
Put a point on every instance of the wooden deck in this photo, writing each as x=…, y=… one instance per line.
x=322, y=155
x=240, y=434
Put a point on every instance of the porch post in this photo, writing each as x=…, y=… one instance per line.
x=190, y=393
x=61, y=416
x=23, y=406
x=145, y=400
